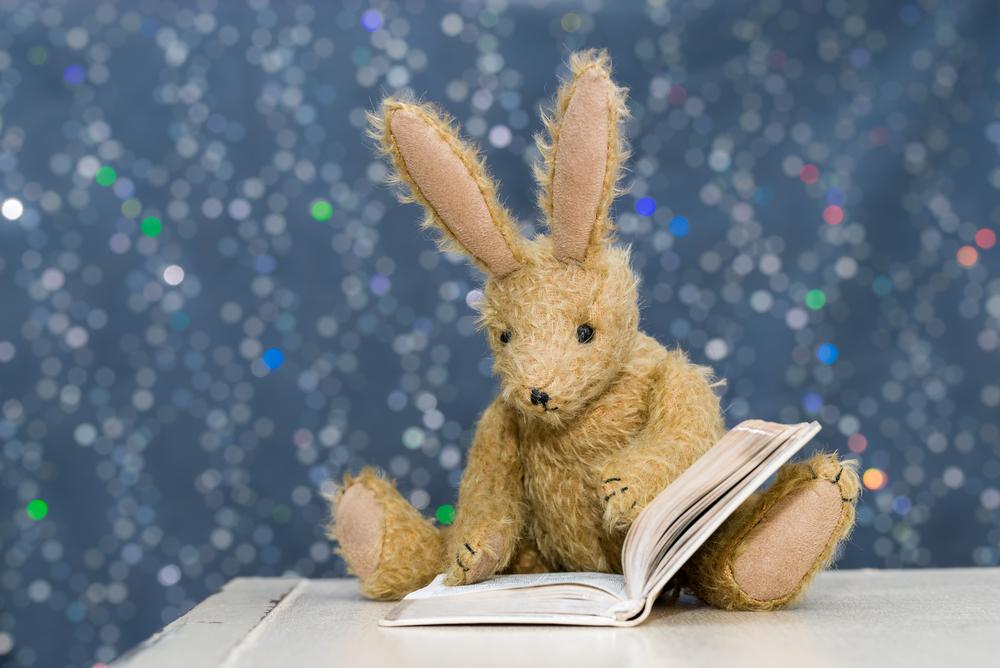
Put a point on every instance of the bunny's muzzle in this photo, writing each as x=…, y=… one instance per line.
x=541, y=398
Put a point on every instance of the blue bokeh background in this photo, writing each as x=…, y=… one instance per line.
x=211, y=306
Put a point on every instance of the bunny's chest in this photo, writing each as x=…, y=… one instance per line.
x=562, y=489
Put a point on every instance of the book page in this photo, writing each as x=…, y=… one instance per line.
x=611, y=584
x=735, y=448
x=512, y=609
x=589, y=599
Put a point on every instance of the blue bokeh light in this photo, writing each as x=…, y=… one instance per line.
x=371, y=20
x=273, y=358
x=645, y=206
x=74, y=75
x=812, y=403
x=828, y=353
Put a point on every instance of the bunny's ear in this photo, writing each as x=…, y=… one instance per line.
x=446, y=176
x=582, y=156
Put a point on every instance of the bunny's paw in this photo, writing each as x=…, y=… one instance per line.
x=621, y=502
x=474, y=559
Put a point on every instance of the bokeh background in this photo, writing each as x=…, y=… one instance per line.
x=211, y=306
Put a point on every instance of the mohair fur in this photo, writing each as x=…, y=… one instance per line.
x=555, y=485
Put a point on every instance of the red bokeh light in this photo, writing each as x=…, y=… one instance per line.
x=809, y=174
x=833, y=215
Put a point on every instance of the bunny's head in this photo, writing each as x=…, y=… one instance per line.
x=560, y=310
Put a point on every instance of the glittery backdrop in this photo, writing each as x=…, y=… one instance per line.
x=210, y=306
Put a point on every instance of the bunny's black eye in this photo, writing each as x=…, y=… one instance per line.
x=585, y=333
x=505, y=336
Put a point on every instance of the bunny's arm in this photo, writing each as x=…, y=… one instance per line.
x=490, y=502
x=684, y=421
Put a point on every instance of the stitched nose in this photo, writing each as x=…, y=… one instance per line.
x=538, y=397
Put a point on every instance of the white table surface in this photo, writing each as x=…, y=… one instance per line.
x=941, y=618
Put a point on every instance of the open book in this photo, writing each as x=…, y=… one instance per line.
x=665, y=535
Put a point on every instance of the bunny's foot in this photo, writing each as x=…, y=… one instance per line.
x=767, y=552
x=385, y=541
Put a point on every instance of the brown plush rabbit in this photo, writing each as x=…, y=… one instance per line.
x=594, y=417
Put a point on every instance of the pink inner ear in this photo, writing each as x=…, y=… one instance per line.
x=451, y=189
x=580, y=165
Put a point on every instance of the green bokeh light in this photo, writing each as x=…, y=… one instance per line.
x=37, y=509
x=37, y=55
x=445, y=514
x=815, y=299
x=321, y=210
x=151, y=226
x=106, y=176
x=571, y=22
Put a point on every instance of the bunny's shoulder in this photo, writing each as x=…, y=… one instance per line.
x=656, y=364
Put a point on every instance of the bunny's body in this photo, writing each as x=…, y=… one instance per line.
x=594, y=418
x=584, y=532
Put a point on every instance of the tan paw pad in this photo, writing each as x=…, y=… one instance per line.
x=360, y=523
x=784, y=547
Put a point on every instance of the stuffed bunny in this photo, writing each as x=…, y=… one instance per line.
x=593, y=418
